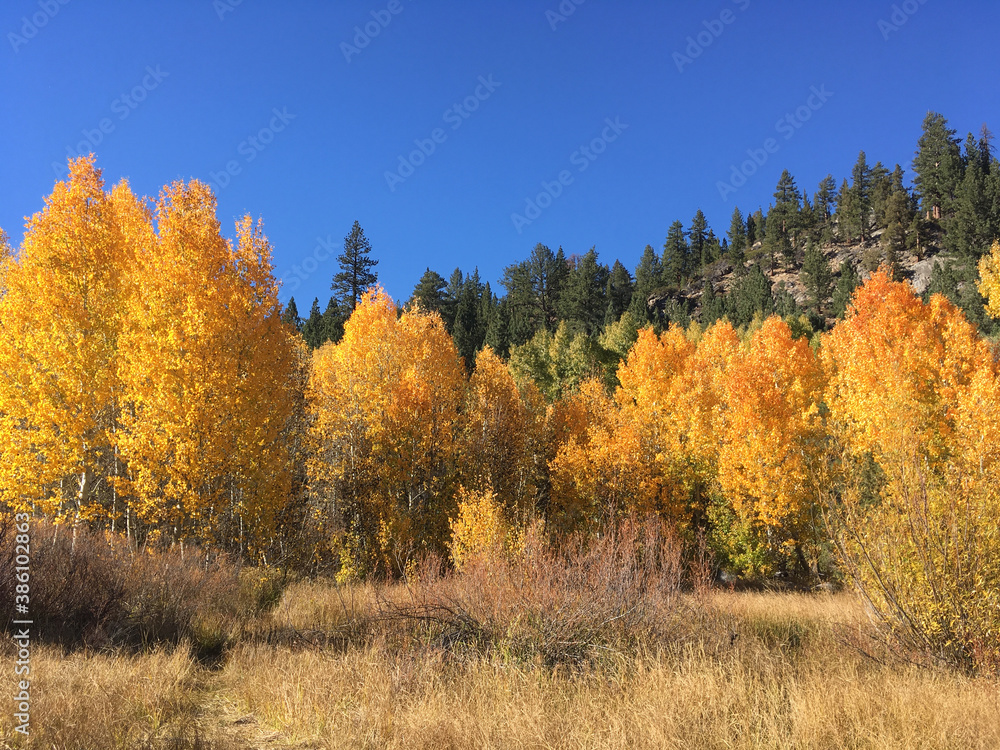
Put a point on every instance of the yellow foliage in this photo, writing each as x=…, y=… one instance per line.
x=772, y=433
x=496, y=437
x=989, y=280
x=481, y=529
x=385, y=403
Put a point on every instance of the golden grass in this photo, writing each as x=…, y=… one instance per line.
x=83, y=701
x=783, y=682
x=756, y=670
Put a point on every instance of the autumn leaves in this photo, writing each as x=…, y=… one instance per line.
x=147, y=380
x=147, y=384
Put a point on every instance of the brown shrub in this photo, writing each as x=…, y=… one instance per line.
x=94, y=590
x=556, y=604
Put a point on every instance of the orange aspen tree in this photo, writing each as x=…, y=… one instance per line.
x=598, y=474
x=652, y=392
x=60, y=319
x=384, y=404
x=772, y=435
x=207, y=368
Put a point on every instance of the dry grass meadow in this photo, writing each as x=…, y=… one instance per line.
x=368, y=667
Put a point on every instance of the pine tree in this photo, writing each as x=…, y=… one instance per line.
x=698, y=236
x=334, y=318
x=969, y=232
x=737, y=241
x=817, y=278
x=290, y=315
x=498, y=331
x=675, y=254
x=618, y=293
x=846, y=284
x=582, y=301
x=429, y=293
x=312, y=328
x=713, y=308
x=648, y=278
x=356, y=273
x=861, y=195
x=784, y=303
x=751, y=295
x=824, y=200
x=938, y=167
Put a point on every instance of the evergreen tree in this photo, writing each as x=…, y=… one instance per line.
x=846, y=284
x=737, y=241
x=429, y=293
x=824, y=200
x=533, y=289
x=452, y=294
x=846, y=215
x=582, y=301
x=675, y=254
x=698, y=247
x=334, y=318
x=881, y=190
x=938, y=167
x=618, y=293
x=498, y=330
x=784, y=303
x=861, y=198
x=466, y=329
x=817, y=278
x=290, y=315
x=969, y=233
x=312, y=328
x=713, y=308
x=648, y=278
x=356, y=265
x=751, y=294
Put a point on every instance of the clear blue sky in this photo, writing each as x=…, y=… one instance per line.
x=181, y=86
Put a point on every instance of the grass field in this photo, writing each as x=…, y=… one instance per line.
x=326, y=669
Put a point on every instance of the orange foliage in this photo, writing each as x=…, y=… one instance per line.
x=385, y=403
x=772, y=433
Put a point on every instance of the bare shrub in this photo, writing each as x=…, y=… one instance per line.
x=555, y=604
x=93, y=589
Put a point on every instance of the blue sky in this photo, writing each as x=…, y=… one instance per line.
x=298, y=119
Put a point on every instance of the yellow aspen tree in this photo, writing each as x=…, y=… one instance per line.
x=384, y=404
x=496, y=432
x=207, y=369
x=598, y=474
x=772, y=435
x=650, y=395
x=989, y=280
x=913, y=386
x=60, y=320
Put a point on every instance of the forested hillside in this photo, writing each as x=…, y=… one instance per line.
x=800, y=258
